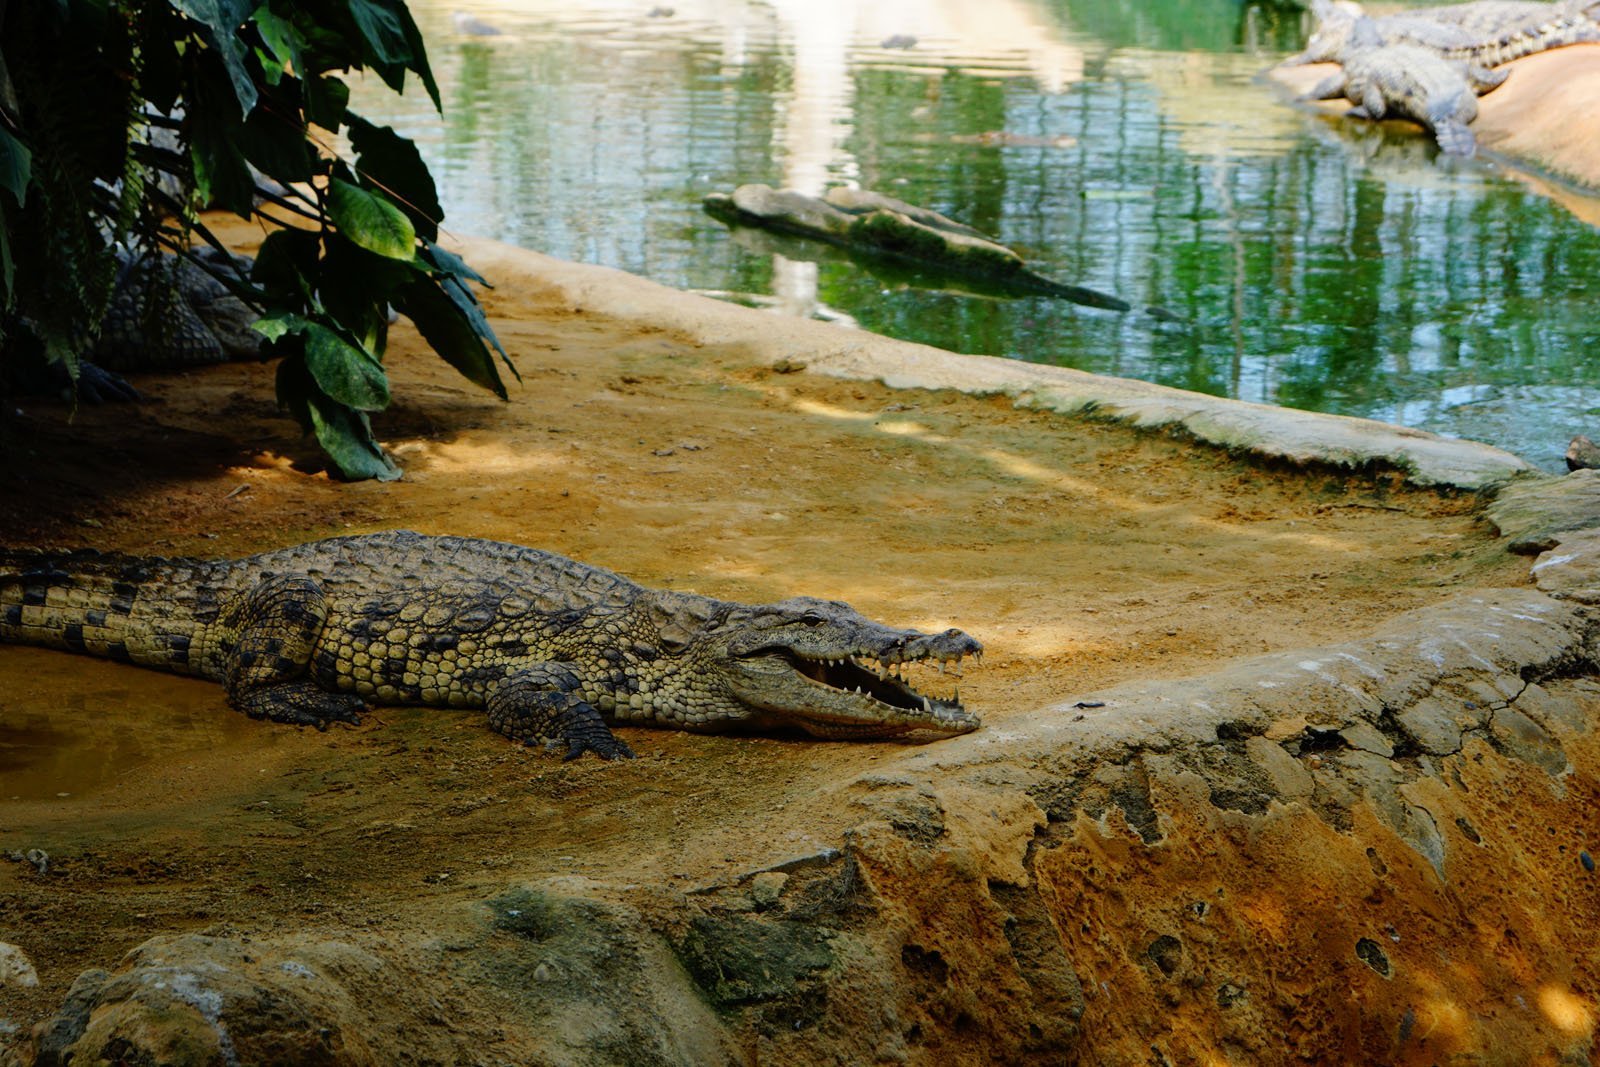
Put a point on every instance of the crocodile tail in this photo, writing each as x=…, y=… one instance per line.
x=1455, y=138
x=121, y=607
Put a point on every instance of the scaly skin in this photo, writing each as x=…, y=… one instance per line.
x=1412, y=82
x=552, y=648
x=1487, y=33
x=166, y=313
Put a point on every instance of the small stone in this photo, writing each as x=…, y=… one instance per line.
x=1582, y=454
x=1587, y=861
x=789, y=366
x=15, y=968
x=766, y=888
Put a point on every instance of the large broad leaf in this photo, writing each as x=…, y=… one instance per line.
x=221, y=175
x=449, y=333
x=467, y=303
x=326, y=100
x=383, y=31
x=345, y=435
x=344, y=372
x=419, y=54
x=274, y=143
x=16, y=163
x=285, y=263
x=371, y=222
x=221, y=20
x=347, y=438
x=448, y=262
x=282, y=41
x=392, y=163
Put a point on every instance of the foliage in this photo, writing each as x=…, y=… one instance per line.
x=119, y=119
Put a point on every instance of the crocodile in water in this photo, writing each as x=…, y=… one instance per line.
x=1487, y=32
x=552, y=648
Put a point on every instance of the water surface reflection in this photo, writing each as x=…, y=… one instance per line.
x=1128, y=147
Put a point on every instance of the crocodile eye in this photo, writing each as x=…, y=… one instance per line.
x=813, y=618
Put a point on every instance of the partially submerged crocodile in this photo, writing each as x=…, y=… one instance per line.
x=1487, y=33
x=1407, y=81
x=552, y=648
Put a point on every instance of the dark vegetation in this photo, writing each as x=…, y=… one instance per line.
x=121, y=119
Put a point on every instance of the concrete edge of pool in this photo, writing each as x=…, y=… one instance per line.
x=1268, y=432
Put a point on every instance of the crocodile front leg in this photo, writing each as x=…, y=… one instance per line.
x=544, y=703
x=273, y=629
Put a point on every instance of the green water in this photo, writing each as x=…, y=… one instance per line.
x=1128, y=147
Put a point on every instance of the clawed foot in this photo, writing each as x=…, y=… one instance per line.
x=301, y=704
x=607, y=748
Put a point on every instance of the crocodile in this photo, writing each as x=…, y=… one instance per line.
x=551, y=648
x=1487, y=33
x=169, y=312
x=1408, y=81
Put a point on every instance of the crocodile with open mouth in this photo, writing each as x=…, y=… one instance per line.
x=550, y=647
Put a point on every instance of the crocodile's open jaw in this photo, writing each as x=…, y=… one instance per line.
x=864, y=677
x=857, y=695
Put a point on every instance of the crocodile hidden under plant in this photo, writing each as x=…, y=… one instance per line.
x=550, y=647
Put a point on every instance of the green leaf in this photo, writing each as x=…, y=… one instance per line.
x=346, y=436
x=384, y=32
x=467, y=303
x=279, y=325
x=449, y=263
x=370, y=221
x=419, y=55
x=285, y=263
x=344, y=372
x=282, y=42
x=449, y=332
x=221, y=175
x=16, y=163
x=220, y=21
x=274, y=140
x=326, y=100
x=392, y=163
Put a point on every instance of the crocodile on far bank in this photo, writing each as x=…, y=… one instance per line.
x=1408, y=81
x=1487, y=33
x=550, y=647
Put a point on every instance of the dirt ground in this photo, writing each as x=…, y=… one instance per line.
x=1081, y=554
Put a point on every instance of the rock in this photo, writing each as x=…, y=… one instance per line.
x=197, y=1000
x=1533, y=513
x=16, y=969
x=766, y=888
x=1570, y=569
x=1582, y=454
x=898, y=40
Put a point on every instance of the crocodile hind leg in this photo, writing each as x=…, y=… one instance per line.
x=545, y=703
x=274, y=629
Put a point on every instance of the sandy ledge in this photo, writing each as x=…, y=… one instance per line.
x=1289, y=745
